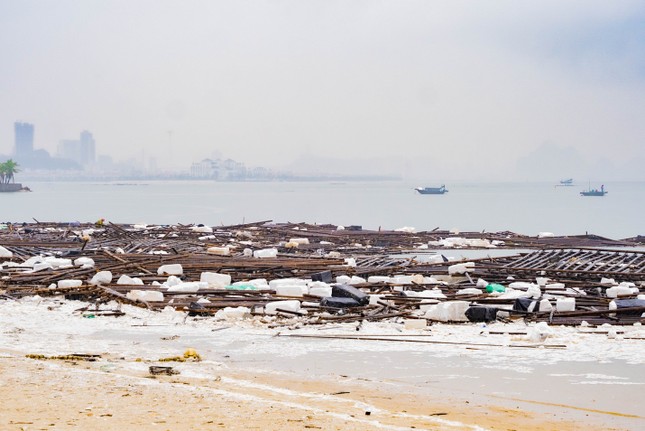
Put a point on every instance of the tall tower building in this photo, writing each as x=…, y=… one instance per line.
x=24, y=138
x=88, y=148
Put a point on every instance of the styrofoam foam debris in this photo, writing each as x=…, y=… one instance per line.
x=188, y=287
x=290, y=305
x=202, y=229
x=125, y=279
x=145, y=295
x=291, y=290
x=215, y=280
x=469, y=291
x=101, y=277
x=265, y=253
x=83, y=261
x=356, y=280
x=565, y=304
x=170, y=269
x=5, y=253
x=450, y=311
x=69, y=283
x=620, y=290
x=459, y=242
x=219, y=251
x=233, y=313
x=321, y=290
x=538, y=333
x=300, y=241
x=461, y=268
x=545, y=305
x=545, y=235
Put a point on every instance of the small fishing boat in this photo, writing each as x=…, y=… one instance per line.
x=594, y=192
x=567, y=182
x=432, y=190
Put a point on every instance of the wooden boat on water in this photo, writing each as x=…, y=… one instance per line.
x=432, y=190
x=594, y=192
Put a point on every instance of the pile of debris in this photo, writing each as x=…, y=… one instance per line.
x=325, y=273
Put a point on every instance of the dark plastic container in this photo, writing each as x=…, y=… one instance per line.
x=324, y=276
x=630, y=303
x=479, y=313
x=525, y=304
x=338, y=302
x=346, y=291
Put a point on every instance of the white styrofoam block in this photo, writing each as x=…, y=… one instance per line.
x=170, y=269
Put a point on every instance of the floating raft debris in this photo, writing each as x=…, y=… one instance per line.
x=325, y=273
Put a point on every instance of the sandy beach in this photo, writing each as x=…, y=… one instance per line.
x=249, y=379
x=45, y=395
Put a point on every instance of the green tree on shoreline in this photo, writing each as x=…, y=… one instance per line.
x=7, y=171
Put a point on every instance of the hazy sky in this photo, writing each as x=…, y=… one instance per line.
x=463, y=86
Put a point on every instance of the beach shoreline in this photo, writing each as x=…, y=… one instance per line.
x=78, y=395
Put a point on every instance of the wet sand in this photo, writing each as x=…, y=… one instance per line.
x=115, y=394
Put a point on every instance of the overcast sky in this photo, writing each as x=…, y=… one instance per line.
x=462, y=85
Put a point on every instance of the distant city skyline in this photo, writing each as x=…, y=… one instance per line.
x=440, y=90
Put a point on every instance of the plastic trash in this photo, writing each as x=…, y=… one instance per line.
x=346, y=291
x=299, y=241
x=219, y=251
x=69, y=283
x=233, y=313
x=265, y=253
x=324, y=276
x=188, y=287
x=480, y=313
x=627, y=303
x=275, y=306
x=125, y=279
x=461, y=268
x=451, y=311
x=616, y=291
x=320, y=289
x=291, y=290
x=339, y=302
x=526, y=304
x=171, y=269
x=145, y=295
x=241, y=286
x=343, y=279
x=202, y=229
x=545, y=305
x=565, y=304
x=469, y=291
x=81, y=261
x=101, y=277
x=494, y=287
x=215, y=280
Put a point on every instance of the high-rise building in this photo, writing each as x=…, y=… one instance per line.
x=88, y=148
x=82, y=151
x=24, y=138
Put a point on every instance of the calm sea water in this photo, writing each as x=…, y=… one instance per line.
x=526, y=208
